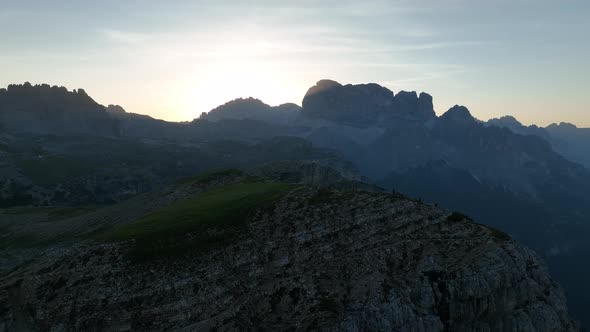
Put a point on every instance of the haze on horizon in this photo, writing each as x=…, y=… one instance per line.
x=176, y=60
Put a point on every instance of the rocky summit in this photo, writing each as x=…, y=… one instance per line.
x=286, y=257
x=48, y=109
x=364, y=104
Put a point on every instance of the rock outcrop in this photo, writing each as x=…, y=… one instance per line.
x=317, y=259
x=364, y=104
x=417, y=107
x=457, y=113
x=53, y=110
x=115, y=109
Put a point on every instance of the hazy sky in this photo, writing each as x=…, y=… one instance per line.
x=175, y=59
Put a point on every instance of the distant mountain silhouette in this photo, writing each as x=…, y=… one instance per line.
x=52, y=109
x=515, y=126
x=364, y=104
x=567, y=139
x=577, y=140
x=254, y=109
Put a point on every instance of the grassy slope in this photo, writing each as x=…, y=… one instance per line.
x=210, y=176
x=212, y=218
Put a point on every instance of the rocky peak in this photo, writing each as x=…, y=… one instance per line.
x=45, y=94
x=115, y=109
x=562, y=126
x=237, y=108
x=321, y=86
x=371, y=90
x=358, y=105
x=81, y=92
x=53, y=109
x=253, y=109
x=288, y=107
x=458, y=113
x=517, y=127
x=507, y=120
x=249, y=101
x=364, y=104
x=410, y=103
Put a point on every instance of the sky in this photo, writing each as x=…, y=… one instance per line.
x=175, y=59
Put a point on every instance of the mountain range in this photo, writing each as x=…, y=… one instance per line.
x=63, y=148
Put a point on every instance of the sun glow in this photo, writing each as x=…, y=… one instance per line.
x=225, y=81
x=238, y=69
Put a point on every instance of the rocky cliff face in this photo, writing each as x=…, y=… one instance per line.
x=364, y=104
x=53, y=110
x=316, y=259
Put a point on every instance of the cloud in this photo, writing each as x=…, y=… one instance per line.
x=125, y=37
x=439, y=45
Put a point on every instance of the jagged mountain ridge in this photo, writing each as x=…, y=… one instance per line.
x=52, y=109
x=567, y=139
x=393, y=149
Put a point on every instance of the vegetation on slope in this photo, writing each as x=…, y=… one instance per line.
x=211, y=176
x=198, y=222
